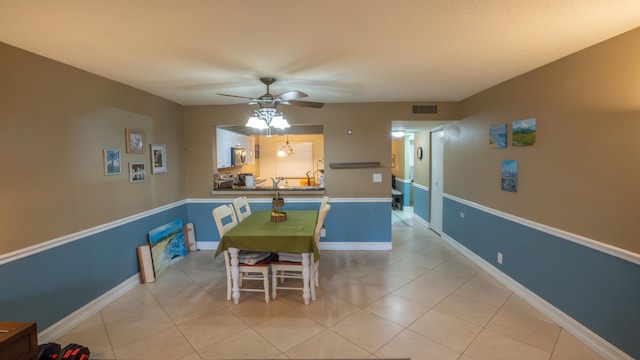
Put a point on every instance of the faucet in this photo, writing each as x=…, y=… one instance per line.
x=309, y=175
x=276, y=182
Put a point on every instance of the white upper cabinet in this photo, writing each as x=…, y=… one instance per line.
x=226, y=139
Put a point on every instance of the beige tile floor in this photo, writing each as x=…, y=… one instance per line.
x=421, y=300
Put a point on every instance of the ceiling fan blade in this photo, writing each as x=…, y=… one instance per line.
x=310, y=104
x=237, y=96
x=291, y=95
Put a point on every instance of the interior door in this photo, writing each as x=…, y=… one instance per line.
x=437, y=169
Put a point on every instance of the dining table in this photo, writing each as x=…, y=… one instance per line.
x=258, y=232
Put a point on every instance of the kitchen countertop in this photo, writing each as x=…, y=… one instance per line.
x=240, y=190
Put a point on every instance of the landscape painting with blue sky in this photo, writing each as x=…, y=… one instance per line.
x=524, y=132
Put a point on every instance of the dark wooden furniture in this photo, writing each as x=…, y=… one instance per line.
x=397, y=199
x=396, y=195
x=18, y=341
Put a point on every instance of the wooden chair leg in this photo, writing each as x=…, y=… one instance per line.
x=229, y=285
x=265, y=275
x=274, y=284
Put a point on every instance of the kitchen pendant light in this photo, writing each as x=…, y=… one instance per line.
x=286, y=150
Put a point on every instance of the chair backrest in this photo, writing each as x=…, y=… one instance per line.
x=321, y=216
x=241, y=204
x=325, y=201
x=225, y=218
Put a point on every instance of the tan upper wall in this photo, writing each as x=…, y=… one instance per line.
x=583, y=174
x=370, y=141
x=421, y=168
x=56, y=121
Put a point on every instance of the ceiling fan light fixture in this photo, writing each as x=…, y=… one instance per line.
x=267, y=114
x=265, y=118
x=256, y=123
x=279, y=122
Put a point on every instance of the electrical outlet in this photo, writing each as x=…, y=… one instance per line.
x=323, y=232
x=461, y=214
x=499, y=258
x=377, y=178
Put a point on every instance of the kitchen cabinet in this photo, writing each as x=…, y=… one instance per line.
x=226, y=139
x=224, y=142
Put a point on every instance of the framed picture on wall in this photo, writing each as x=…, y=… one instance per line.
x=111, y=159
x=134, y=140
x=137, y=172
x=498, y=136
x=158, y=159
x=524, y=132
x=509, y=175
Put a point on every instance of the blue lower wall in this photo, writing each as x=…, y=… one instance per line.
x=406, y=190
x=48, y=286
x=348, y=221
x=421, y=203
x=599, y=290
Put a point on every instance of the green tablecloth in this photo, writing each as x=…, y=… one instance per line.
x=257, y=232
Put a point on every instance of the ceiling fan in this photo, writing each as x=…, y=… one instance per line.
x=269, y=100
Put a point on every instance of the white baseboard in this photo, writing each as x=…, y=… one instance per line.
x=207, y=245
x=57, y=330
x=334, y=245
x=422, y=221
x=575, y=328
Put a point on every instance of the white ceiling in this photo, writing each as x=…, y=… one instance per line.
x=333, y=50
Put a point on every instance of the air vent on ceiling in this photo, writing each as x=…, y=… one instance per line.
x=425, y=109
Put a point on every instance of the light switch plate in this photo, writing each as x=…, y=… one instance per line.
x=377, y=178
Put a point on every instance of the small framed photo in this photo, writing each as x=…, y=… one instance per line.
x=137, y=172
x=111, y=158
x=158, y=159
x=134, y=140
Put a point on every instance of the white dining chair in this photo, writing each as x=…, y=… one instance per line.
x=325, y=201
x=316, y=277
x=252, y=265
x=241, y=204
x=289, y=265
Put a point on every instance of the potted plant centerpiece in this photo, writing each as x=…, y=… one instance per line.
x=277, y=215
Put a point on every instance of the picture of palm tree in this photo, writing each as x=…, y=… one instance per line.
x=111, y=161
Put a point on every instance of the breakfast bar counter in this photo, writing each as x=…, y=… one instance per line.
x=294, y=191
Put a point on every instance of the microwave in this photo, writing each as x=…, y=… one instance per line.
x=238, y=156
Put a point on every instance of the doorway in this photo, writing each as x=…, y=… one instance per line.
x=437, y=169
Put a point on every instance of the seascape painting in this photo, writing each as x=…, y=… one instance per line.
x=509, y=178
x=524, y=132
x=498, y=136
x=167, y=245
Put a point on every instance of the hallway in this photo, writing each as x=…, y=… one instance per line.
x=421, y=300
